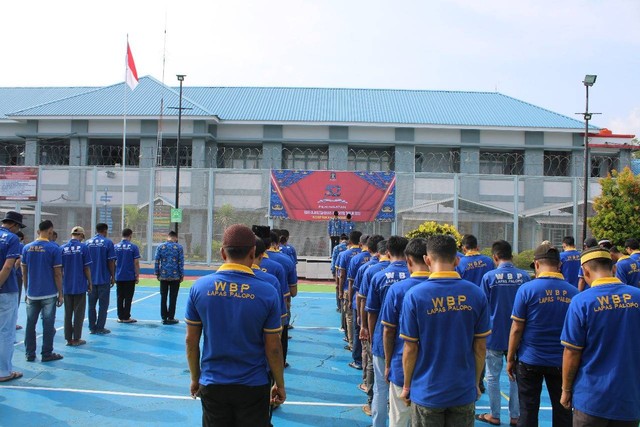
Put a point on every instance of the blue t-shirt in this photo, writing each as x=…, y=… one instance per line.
x=235, y=309
x=635, y=255
x=378, y=288
x=289, y=251
x=356, y=262
x=628, y=271
x=357, y=282
x=444, y=316
x=9, y=249
x=41, y=257
x=169, y=261
x=500, y=287
x=273, y=281
x=474, y=266
x=542, y=305
x=101, y=251
x=390, y=318
x=275, y=269
x=570, y=266
x=126, y=253
x=343, y=262
x=348, y=227
x=287, y=264
x=337, y=250
x=75, y=257
x=365, y=285
x=603, y=323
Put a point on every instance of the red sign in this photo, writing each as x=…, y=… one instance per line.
x=18, y=183
x=315, y=195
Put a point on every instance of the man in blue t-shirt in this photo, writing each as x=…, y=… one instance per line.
x=535, y=352
x=42, y=271
x=127, y=274
x=343, y=264
x=337, y=250
x=103, y=276
x=416, y=253
x=240, y=317
x=473, y=265
x=600, y=367
x=9, y=291
x=380, y=284
x=76, y=282
x=628, y=270
x=169, y=270
x=632, y=247
x=352, y=270
x=500, y=287
x=442, y=369
x=286, y=247
x=570, y=259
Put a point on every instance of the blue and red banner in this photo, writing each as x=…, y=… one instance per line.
x=315, y=195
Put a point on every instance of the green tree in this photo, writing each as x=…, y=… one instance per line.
x=431, y=228
x=135, y=219
x=617, y=209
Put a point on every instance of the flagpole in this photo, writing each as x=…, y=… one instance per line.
x=124, y=135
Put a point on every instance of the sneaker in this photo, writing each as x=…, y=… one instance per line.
x=129, y=320
x=30, y=358
x=92, y=331
x=367, y=410
x=347, y=347
x=172, y=321
x=52, y=357
x=102, y=331
x=78, y=342
x=356, y=365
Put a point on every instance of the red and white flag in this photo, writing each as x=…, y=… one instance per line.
x=131, y=76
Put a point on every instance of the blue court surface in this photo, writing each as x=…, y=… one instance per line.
x=138, y=374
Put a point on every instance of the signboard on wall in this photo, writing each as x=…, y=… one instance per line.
x=18, y=183
x=315, y=195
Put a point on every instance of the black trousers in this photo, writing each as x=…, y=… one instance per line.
x=235, y=405
x=585, y=420
x=125, y=292
x=530, y=379
x=170, y=287
x=335, y=241
x=74, y=306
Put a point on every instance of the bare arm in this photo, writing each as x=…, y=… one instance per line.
x=193, y=356
x=25, y=277
x=57, y=277
x=87, y=274
x=6, y=270
x=389, y=342
x=515, y=335
x=480, y=355
x=372, y=319
x=112, y=270
x=570, y=363
x=293, y=289
x=136, y=266
x=273, y=350
x=364, y=319
x=581, y=284
x=409, y=358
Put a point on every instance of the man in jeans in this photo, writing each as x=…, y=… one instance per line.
x=169, y=269
x=538, y=316
x=127, y=274
x=500, y=287
x=102, y=278
x=42, y=271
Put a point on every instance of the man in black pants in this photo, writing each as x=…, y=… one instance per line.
x=169, y=269
x=127, y=274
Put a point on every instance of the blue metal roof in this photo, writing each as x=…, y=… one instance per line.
x=272, y=104
x=18, y=98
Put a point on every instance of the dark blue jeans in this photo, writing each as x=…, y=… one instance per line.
x=100, y=294
x=356, y=351
x=48, y=309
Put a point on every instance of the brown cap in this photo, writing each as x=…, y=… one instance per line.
x=77, y=230
x=238, y=235
x=545, y=251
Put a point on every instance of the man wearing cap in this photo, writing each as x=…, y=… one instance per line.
x=127, y=274
x=102, y=266
x=240, y=317
x=570, y=259
x=169, y=269
x=334, y=229
x=600, y=367
x=42, y=271
x=535, y=352
x=9, y=253
x=76, y=282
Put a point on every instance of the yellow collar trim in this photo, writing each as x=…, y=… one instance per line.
x=551, y=274
x=383, y=258
x=444, y=275
x=230, y=266
x=265, y=255
x=273, y=250
x=623, y=257
x=42, y=239
x=472, y=253
x=606, y=281
x=421, y=274
x=255, y=267
x=570, y=248
x=353, y=246
x=635, y=252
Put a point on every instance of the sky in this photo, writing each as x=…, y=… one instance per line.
x=535, y=50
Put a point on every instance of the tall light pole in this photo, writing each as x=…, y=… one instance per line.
x=588, y=81
x=180, y=79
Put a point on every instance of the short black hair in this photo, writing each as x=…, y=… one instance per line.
x=342, y=237
x=549, y=262
x=599, y=264
x=127, y=232
x=273, y=237
x=172, y=234
x=45, y=225
x=20, y=235
x=569, y=241
x=382, y=247
x=335, y=213
x=632, y=243
x=416, y=250
x=260, y=247
x=469, y=241
x=396, y=245
x=101, y=227
x=442, y=247
x=590, y=242
x=614, y=250
x=283, y=239
x=55, y=233
x=502, y=250
x=354, y=237
x=372, y=243
x=237, y=252
x=364, y=239
x=348, y=216
x=284, y=232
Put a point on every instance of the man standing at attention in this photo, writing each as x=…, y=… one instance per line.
x=103, y=276
x=169, y=269
x=473, y=265
x=538, y=315
x=442, y=370
x=570, y=259
x=500, y=287
x=127, y=274
x=42, y=271
x=9, y=253
x=600, y=367
x=240, y=317
x=334, y=229
x=76, y=282
x=341, y=247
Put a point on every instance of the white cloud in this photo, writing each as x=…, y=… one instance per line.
x=627, y=125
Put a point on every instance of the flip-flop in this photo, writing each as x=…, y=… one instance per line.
x=513, y=423
x=13, y=376
x=483, y=419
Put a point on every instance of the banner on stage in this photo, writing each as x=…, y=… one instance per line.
x=18, y=183
x=315, y=195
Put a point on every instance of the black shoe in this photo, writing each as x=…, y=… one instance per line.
x=172, y=321
x=482, y=388
x=164, y=321
x=290, y=326
x=52, y=357
x=30, y=358
x=102, y=331
x=356, y=365
x=286, y=364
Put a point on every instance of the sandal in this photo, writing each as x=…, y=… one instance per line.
x=52, y=357
x=487, y=418
x=13, y=376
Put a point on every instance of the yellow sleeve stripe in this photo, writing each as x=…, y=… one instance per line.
x=192, y=322
x=288, y=294
x=573, y=346
x=484, y=334
x=517, y=319
x=390, y=325
x=272, y=331
x=410, y=339
x=284, y=315
x=294, y=285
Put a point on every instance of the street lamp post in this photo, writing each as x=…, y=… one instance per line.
x=589, y=81
x=180, y=79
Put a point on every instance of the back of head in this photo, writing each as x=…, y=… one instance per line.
x=45, y=225
x=597, y=260
x=127, y=232
x=20, y=235
x=502, y=250
x=364, y=239
x=442, y=248
x=348, y=216
x=354, y=237
x=172, y=234
x=260, y=247
x=382, y=247
x=283, y=240
x=396, y=246
x=590, y=242
x=102, y=227
x=372, y=243
x=273, y=236
x=416, y=250
x=569, y=241
x=469, y=241
x=547, y=257
x=237, y=241
x=342, y=237
x=632, y=244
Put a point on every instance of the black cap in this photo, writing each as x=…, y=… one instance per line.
x=545, y=251
x=262, y=231
x=590, y=242
x=14, y=217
